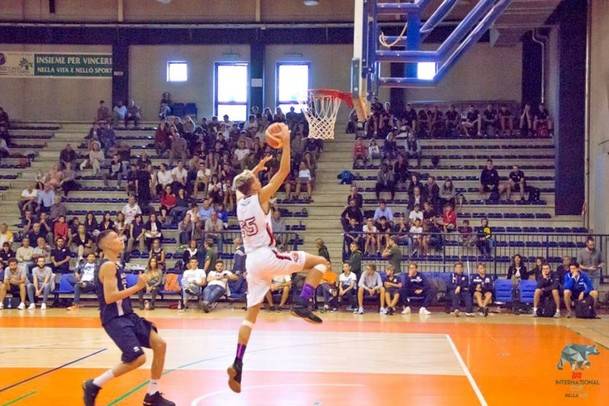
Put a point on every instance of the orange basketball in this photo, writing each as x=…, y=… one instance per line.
x=273, y=136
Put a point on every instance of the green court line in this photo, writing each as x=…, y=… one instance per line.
x=11, y=402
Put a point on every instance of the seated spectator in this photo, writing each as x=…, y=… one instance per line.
x=214, y=229
x=61, y=229
x=459, y=291
x=280, y=284
x=360, y=152
x=401, y=232
x=355, y=195
x=153, y=230
x=413, y=149
x=578, y=286
x=60, y=259
x=42, y=249
x=485, y=241
x=543, y=122
x=58, y=209
x=489, y=178
x=370, y=286
x=547, y=289
x=347, y=290
x=84, y=277
x=28, y=200
x=410, y=116
x=482, y=288
x=193, y=251
x=304, y=178
x=506, y=121
x=416, y=214
x=46, y=198
x=119, y=112
x=193, y=281
x=516, y=183
x=157, y=251
x=414, y=184
x=67, y=157
x=351, y=212
x=473, y=122
x=6, y=235
x=416, y=233
x=383, y=211
x=6, y=252
x=468, y=237
x=168, y=199
x=278, y=227
x=202, y=179
x=107, y=138
x=436, y=119
x=518, y=270
x=371, y=238
x=68, y=182
x=136, y=235
x=423, y=123
x=526, y=121
x=384, y=229
x=417, y=287
x=453, y=121
x=322, y=250
x=154, y=280
x=15, y=281
x=134, y=113
x=560, y=272
x=204, y=212
x=489, y=123
x=390, y=148
x=449, y=219
x=131, y=209
x=217, y=281
x=392, y=286
x=448, y=193
x=537, y=268
x=24, y=254
x=374, y=151
x=400, y=169
x=431, y=191
x=385, y=182
x=352, y=235
x=42, y=284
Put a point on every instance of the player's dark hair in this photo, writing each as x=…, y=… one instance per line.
x=102, y=236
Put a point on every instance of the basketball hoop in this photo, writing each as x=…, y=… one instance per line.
x=321, y=109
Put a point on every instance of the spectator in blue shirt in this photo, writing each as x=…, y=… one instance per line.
x=481, y=285
x=416, y=286
x=383, y=211
x=459, y=291
x=578, y=286
x=205, y=211
x=46, y=198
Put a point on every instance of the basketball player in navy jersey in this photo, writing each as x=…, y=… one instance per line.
x=129, y=331
x=263, y=261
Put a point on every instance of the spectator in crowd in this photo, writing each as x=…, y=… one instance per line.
x=4, y=119
x=384, y=229
x=360, y=152
x=211, y=256
x=322, y=250
x=15, y=280
x=68, y=182
x=393, y=254
x=347, y=290
x=392, y=287
x=134, y=113
x=119, y=112
x=46, y=198
x=130, y=210
x=526, y=121
x=370, y=286
x=153, y=231
x=42, y=284
x=6, y=252
x=107, y=138
x=459, y=291
x=518, y=270
x=383, y=211
x=213, y=230
x=385, y=182
x=590, y=260
x=561, y=271
x=489, y=178
x=413, y=149
x=278, y=227
x=437, y=123
x=419, y=244
x=473, y=122
x=448, y=193
x=94, y=158
x=42, y=249
x=578, y=286
x=468, y=238
x=482, y=288
x=154, y=279
x=453, y=121
x=485, y=241
x=431, y=190
x=351, y=212
x=542, y=122
x=489, y=121
x=506, y=121
x=416, y=198
x=374, y=151
x=67, y=157
x=103, y=112
x=537, y=268
x=24, y=254
x=281, y=284
x=449, y=219
x=355, y=195
x=217, y=281
x=61, y=229
x=352, y=235
x=29, y=199
x=329, y=290
x=142, y=187
x=417, y=287
x=547, y=288
x=516, y=183
x=60, y=259
x=6, y=235
x=84, y=278
x=193, y=281
x=304, y=178
x=371, y=238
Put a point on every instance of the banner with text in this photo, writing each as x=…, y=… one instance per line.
x=66, y=65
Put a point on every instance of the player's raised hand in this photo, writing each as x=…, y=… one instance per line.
x=261, y=167
x=285, y=133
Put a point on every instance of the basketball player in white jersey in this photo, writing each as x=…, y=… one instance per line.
x=263, y=260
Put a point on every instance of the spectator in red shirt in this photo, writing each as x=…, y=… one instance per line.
x=168, y=200
x=161, y=138
x=61, y=229
x=360, y=151
x=449, y=219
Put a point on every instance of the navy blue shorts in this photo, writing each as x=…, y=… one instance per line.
x=393, y=291
x=130, y=333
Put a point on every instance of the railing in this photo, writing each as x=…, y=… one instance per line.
x=444, y=249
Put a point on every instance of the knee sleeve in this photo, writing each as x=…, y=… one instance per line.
x=247, y=323
x=321, y=268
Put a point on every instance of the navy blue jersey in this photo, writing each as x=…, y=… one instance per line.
x=485, y=282
x=417, y=281
x=547, y=284
x=108, y=312
x=459, y=280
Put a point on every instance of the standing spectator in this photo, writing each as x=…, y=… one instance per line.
x=15, y=280
x=393, y=253
x=590, y=260
x=370, y=286
x=355, y=260
x=42, y=278
x=142, y=187
x=526, y=121
x=547, y=288
x=217, y=284
x=211, y=255
x=385, y=182
x=489, y=178
x=482, y=288
x=347, y=282
x=416, y=286
x=459, y=291
x=134, y=113
x=506, y=121
x=578, y=286
x=84, y=277
x=392, y=286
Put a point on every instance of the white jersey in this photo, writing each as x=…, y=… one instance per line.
x=255, y=224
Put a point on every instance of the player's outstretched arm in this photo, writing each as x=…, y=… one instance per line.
x=284, y=167
x=107, y=276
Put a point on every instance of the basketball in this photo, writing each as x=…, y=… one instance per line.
x=273, y=136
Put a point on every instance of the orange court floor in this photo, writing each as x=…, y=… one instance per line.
x=348, y=360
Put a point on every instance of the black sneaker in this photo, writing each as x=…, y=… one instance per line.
x=234, y=376
x=301, y=309
x=90, y=391
x=486, y=312
x=205, y=307
x=157, y=400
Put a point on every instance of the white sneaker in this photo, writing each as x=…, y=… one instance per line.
x=1, y=306
x=534, y=312
x=383, y=311
x=32, y=306
x=469, y=314
x=21, y=306
x=360, y=310
x=406, y=310
x=557, y=314
x=43, y=306
x=423, y=310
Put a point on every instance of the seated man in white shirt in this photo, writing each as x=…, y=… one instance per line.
x=370, y=285
x=217, y=285
x=85, y=279
x=131, y=209
x=347, y=286
x=193, y=281
x=28, y=199
x=42, y=284
x=283, y=284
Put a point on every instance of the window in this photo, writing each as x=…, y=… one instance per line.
x=292, y=85
x=426, y=70
x=231, y=90
x=177, y=71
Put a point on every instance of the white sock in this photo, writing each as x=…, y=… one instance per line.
x=103, y=378
x=153, y=387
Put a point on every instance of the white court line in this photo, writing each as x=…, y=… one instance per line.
x=196, y=401
x=468, y=374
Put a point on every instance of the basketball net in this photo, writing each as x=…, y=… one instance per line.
x=321, y=109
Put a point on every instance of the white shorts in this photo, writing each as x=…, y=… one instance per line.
x=263, y=265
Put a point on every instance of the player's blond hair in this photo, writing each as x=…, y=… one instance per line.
x=243, y=181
